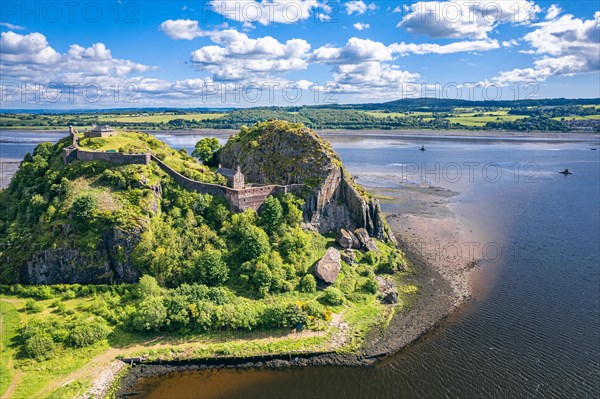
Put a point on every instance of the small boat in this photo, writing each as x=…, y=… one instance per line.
x=565, y=172
x=422, y=148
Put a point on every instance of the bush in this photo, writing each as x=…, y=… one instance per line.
x=150, y=315
x=370, y=286
x=333, y=296
x=87, y=333
x=308, y=283
x=40, y=345
x=294, y=315
x=84, y=207
x=31, y=306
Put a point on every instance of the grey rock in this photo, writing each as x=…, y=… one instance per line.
x=348, y=256
x=328, y=268
x=390, y=298
x=365, y=240
x=345, y=239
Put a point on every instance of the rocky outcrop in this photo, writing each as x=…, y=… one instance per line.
x=110, y=263
x=365, y=240
x=328, y=268
x=278, y=152
x=346, y=239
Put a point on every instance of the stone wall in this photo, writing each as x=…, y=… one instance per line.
x=117, y=158
x=192, y=185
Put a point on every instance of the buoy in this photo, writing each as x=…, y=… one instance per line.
x=422, y=148
x=565, y=172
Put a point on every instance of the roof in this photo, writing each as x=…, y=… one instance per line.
x=226, y=172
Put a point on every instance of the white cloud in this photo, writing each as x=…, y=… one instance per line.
x=355, y=51
x=238, y=57
x=361, y=26
x=11, y=26
x=565, y=45
x=30, y=58
x=456, y=47
x=510, y=43
x=266, y=11
x=466, y=19
x=358, y=7
x=181, y=29
x=553, y=12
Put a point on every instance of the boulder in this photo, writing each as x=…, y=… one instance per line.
x=390, y=298
x=328, y=268
x=345, y=239
x=348, y=256
x=365, y=240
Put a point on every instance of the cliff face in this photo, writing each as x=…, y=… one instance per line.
x=110, y=263
x=278, y=152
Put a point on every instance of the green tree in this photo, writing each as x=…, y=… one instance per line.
x=206, y=149
x=148, y=287
x=271, y=216
x=262, y=278
x=211, y=269
x=150, y=315
x=84, y=207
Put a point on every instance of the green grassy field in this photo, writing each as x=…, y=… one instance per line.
x=579, y=118
x=157, y=118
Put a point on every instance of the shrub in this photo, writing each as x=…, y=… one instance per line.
x=308, y=283
x=84, y=207
x=370, y=286
x=40, y=345
x=150, y=315
x=148, y=287
x=294, y=315
x=371, y=258
x=333, y=296
x=88, y=332
x=31, y=306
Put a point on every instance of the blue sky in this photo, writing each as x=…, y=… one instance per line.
x=218, y=53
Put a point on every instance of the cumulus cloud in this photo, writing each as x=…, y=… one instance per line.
x=361, y=26
x=31, y=58
x=181, y=29
x=266, y=11
x=465, y=19
x=358, y=7
x=553, y=12
x=565, y=46
x=238, y=57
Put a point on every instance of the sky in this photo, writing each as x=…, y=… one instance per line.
x=245, y=53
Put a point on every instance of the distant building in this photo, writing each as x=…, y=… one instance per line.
x=235, y=177
x=100, y=131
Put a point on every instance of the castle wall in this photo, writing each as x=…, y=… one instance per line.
x=239, y=200
x=116, y=158
x=192, y=185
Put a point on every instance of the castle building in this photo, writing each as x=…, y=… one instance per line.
x=235, y=177
x=100, y=131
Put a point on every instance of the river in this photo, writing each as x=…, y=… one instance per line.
x=533, y=329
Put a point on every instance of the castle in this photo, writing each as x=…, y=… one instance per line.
x=100, y=131
x=239, y=195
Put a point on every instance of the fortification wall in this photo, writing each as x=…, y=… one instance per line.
x=116, y=158
x=192, y=185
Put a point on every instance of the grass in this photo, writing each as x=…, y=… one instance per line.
x=595, y=117
x=71, y=371
x=9, y=323
x=157, y=118
x=472, y=120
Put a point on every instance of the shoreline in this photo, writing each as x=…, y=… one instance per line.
x=450, y=134
x=440, y=296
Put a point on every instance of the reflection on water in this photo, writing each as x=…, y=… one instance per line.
x=534, y=332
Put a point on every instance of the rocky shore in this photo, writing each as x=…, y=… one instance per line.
x=443, y=287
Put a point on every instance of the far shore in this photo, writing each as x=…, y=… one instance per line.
x=404, y=133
